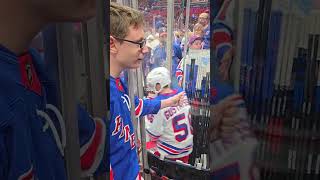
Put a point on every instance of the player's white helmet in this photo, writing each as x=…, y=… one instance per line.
x=159, y=75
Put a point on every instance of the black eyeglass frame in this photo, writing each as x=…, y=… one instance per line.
x=141, y=44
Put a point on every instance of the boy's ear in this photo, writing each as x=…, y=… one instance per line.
x=113, y=46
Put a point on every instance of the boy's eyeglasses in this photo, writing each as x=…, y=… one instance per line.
x=141, y=43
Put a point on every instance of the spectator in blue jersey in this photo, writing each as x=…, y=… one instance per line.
x=127, y=50
x=32, y=130
x=205, y=22
x=159, y=22
x=160, y=56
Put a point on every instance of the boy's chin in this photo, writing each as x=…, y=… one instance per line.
x=135, y=66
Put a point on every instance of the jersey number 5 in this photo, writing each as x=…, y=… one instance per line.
x=179, y=126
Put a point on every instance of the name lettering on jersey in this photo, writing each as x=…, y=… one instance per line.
x=122, y=131
x=129, y=136
x=118, y=125
x=172, y=111
x=126, y=100
x=125, y=131
x=132, y=140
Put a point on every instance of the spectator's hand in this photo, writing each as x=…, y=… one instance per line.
x=176, y=100
x=222, y=116
x=228, y=126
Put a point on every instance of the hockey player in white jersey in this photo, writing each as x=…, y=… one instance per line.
x=170, y=129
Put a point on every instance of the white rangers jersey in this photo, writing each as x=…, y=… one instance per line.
x=171, y=129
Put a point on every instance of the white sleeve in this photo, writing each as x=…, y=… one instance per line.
x=154, y=125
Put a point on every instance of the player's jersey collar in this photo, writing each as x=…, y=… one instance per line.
x=21, y=68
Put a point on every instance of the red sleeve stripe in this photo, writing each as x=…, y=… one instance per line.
x=139, y=108
x=90, y=153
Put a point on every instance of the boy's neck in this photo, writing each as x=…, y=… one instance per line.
x=115, y=68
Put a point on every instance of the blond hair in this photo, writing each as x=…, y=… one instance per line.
x=121, y=18
x=198, y=27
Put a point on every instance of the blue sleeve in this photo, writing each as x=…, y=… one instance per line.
x=146, y=106
x=93, y=140
x=179, y=90
x=219, y=91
